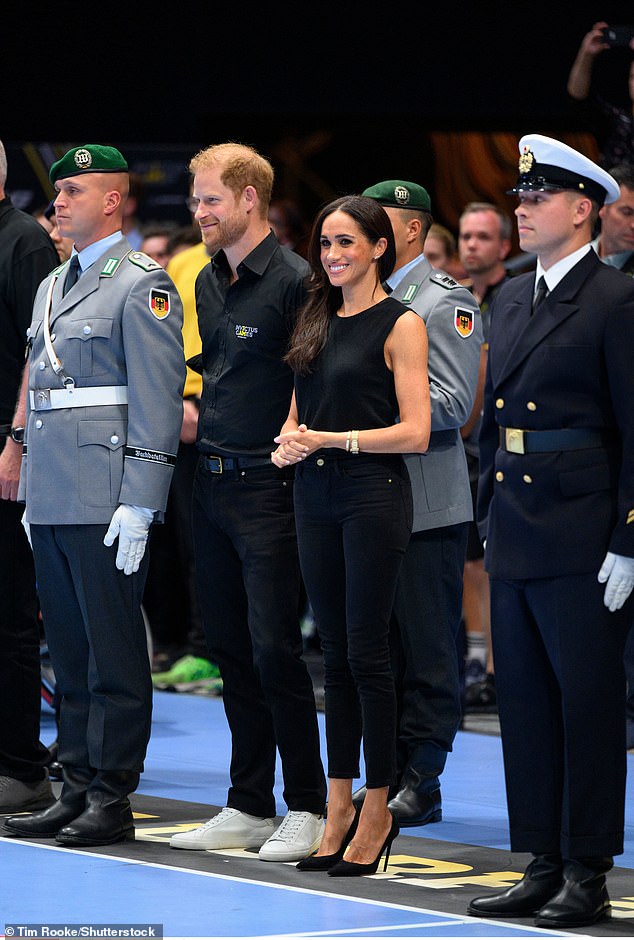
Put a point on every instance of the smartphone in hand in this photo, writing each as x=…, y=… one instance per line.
x=618, y=36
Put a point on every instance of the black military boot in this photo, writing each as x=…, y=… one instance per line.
x=582, y=899
x=542, y=880
x=107, y=817
x=70, y=805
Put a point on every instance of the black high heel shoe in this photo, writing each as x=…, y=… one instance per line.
x=325, y=862
x=345, y=869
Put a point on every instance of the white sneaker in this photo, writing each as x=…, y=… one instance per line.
x=230, y=829
x=298, y=836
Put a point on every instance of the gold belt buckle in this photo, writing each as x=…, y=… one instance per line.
x=514, y=440
x=219, y=459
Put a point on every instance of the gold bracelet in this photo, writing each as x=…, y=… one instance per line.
x=354, y=443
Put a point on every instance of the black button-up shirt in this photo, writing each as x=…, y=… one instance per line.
x=245, y=328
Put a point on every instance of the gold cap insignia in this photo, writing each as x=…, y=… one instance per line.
x=526, y=160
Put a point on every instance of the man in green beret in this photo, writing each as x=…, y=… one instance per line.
x=102, y=392
x=428, y=602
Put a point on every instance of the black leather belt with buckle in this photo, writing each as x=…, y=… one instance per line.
x=226, y=464
x=519, y=441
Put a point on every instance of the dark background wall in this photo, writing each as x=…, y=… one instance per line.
x=337, y=95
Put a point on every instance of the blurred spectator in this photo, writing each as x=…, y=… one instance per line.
x=155, y=241
x=181, y=660
x=289, y=225
x=484, y=241
x=615, y=242
x=131, y=221
x=617, y=140
x=441, y=251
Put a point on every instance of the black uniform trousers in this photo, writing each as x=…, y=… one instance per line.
x=561, y=698
x=354, y=517
x=98, y=645
x=247, y=571
x=425, y=624
x=22, y=755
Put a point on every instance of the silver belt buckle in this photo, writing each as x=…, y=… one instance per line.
x=514, y=440
x=219, y=459
x=42, y=399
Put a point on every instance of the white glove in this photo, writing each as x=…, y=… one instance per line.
x=132, y=525
x=618, y=571
x=27, y=528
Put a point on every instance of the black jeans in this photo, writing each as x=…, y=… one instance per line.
x=248, y=580
x=22, y=755
x=354, y=517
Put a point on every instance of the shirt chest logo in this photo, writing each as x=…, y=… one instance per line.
x=245, y=332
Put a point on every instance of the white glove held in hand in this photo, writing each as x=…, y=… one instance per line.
x=618, y=571
x=131, y=524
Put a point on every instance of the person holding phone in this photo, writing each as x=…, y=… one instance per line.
x=618, y=140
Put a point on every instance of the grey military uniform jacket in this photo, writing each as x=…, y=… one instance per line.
x=119, y=325
x=440, y=478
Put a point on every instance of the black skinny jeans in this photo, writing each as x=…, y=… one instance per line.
x=248, y=578
x=354, y=517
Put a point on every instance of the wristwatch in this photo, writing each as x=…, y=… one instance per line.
x=17, y=435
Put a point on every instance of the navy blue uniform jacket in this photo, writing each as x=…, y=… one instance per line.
x=571, y=365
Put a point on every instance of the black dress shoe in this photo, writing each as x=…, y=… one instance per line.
x=577, y=904
x=101, y=823
x=415, y=806
x=46, y=824
x=481, y=697
x=542, y=879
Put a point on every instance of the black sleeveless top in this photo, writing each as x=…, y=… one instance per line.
x=349, y=385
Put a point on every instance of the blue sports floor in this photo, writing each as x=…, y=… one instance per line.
x=433, y=870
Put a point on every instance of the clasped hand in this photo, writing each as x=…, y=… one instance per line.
x=294, y=446
x=618, y=571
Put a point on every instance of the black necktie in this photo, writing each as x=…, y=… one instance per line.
x=541, y=293
x=72, y=274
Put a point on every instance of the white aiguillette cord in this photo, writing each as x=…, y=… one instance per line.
x=56, y=363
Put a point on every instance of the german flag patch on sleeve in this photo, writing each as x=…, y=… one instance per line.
x=159, y=303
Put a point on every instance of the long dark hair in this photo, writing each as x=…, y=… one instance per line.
x=311, y=328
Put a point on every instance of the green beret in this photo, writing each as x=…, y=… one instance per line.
x=91, y=158
x=399, y=193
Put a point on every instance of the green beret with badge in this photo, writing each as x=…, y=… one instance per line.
x=90, y=158
x=400, y=194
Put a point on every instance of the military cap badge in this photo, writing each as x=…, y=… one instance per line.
x=527, y=158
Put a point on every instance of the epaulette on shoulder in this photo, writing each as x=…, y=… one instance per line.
x=143, y=261
x=445, y=280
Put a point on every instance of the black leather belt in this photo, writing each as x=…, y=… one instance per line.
x=225, y=464
x=519, y=441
